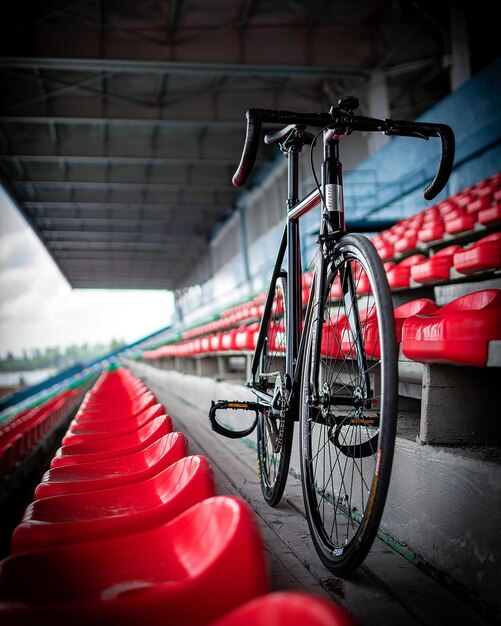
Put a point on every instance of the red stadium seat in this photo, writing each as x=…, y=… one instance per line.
x=431, y=231
x=490, y=216
x=437, y=268
x=113, y=418
x=205, y=344
x=421, y=306
x=228, y=340
x=345, y=335
x=22, y=432
x=399, y=275
x=461, y=224
x=484, y=254
x=245, y=338
x=457, y=333
x=96, y=431
x=386, y=251
x=90, y=451
x=480, y=202
x=114, y=414
x=80, y=517
x=287, y=608
x=407, y=242
x=214, y=342
x=114, y=472
x=174, y=573
x=463, y=198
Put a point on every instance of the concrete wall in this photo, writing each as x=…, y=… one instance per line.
x=390, y=175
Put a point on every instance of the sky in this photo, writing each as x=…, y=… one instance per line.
x=39, y=309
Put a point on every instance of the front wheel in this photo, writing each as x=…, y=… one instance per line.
x=348, y=406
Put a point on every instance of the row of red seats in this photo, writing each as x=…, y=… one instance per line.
x=474, y=208
x=242, y=338
x=24, y=431
x=459, y=333
x=231, y=317
x=417, y=269
x=235, y=330
x=126, y=528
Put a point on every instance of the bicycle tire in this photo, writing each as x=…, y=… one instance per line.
x=345, y=461
x=273, y=464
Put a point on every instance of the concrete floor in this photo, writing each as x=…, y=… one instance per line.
x=386, y=589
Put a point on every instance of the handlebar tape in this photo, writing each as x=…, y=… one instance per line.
x=339, y=118
x=426, y=130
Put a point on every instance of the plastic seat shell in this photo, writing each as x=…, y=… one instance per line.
x=80, y=517
x=457, y=333
x=108, y=473
x=90, y=451
x=289, y=608
x=112, y=430
x=189, y=572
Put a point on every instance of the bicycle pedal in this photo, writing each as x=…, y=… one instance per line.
x=235, y=405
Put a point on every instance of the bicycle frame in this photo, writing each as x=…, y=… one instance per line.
x=338, y=376
x=332, y=228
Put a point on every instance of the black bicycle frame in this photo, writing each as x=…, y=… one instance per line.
x=332, y=227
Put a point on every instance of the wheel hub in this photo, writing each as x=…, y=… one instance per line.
x=326, y=400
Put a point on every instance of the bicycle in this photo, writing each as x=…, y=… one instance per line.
x=334, y=369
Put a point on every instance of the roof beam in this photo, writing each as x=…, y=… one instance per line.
x=159, y=256
x=118, y=206
x=59, y=245
x=141, y=224
x=120, y=265
x=126, y=283
x=178, y=67
x=62, y=87
x=118, y=160
x=126, y=235
x=78, y=184
x=116, y=121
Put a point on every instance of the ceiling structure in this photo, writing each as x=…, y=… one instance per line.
x=121, y=121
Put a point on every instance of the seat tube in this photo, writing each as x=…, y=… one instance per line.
x=294, y=304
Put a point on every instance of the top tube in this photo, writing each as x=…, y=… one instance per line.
x=304, y=206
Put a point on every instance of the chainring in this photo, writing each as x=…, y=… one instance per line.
x=278, y=438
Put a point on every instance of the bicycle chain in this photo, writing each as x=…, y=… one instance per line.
x=277, y=441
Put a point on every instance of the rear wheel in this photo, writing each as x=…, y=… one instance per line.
x=348, y=431
x=274, y=430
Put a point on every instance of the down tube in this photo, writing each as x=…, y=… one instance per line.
x=268, y=304
x=294, y=296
